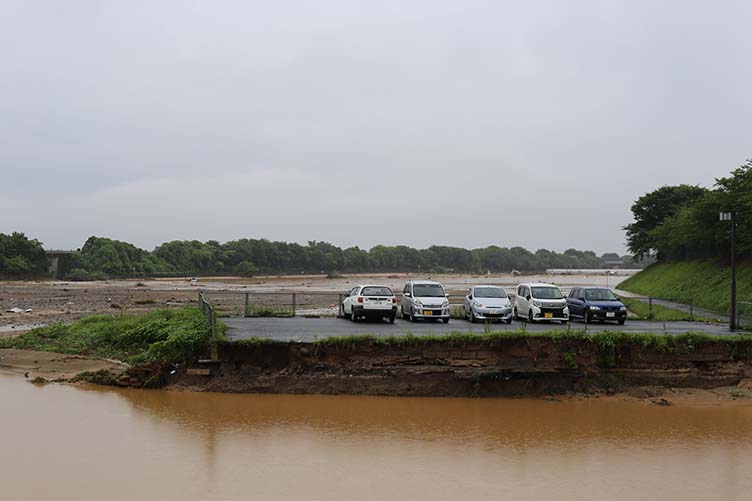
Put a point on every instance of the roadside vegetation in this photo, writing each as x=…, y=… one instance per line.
x=740, y=346
x=158, y=336
x=268, y=311
x=704, y=282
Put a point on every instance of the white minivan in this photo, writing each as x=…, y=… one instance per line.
x=424, y=299
x=536, y=302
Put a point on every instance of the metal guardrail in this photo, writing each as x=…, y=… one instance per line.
x=744, y=315
x=651, y=301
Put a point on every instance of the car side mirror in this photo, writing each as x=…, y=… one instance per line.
x=406, y=294
x=470, y=296
x=446, y=296
x=527, y=297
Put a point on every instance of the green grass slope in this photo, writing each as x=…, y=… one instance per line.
x=706, y=283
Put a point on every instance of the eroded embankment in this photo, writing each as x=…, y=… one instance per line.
x=477, y=367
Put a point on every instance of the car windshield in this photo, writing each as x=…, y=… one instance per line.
x=493, y=292
x=428, y=290
x=377, y=291
x=546, y=292
x=600, y=295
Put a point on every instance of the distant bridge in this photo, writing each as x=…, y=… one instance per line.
x=60, y=261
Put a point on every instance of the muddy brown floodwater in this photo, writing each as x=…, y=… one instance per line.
x=69, y=443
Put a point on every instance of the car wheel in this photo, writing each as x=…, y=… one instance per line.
x=514, y=314
x=402, y=313
x=586, y=317
x=445, y=320
x=509, y=321
x=412, y=315
x=472, y=317
x=353, y=315
x=564, y=322
x=622, y=321
x=530, y=316
x=391, y=318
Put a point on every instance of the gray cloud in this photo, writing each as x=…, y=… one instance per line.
x=500, y=122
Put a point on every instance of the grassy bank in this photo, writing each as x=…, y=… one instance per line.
x=603, y=339
x=643, y=311
x=706, y=283
x=158, y=336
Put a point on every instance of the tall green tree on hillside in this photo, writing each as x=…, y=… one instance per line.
x=651, y=210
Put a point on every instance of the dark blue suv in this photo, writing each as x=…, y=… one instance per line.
x=595, y=303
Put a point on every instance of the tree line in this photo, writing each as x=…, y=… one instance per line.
x=21, y=256
x=104, y=257
x=682, y=222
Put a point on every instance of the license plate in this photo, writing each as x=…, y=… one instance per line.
x=610, y=314
x=428, y=313
x=548, y=315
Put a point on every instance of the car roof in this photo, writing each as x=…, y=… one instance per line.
x=372, y=285
x=488, y=285
x=424, y=282
x=589, y=288
x=539, y=284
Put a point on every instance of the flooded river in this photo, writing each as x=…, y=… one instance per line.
x=66, y=443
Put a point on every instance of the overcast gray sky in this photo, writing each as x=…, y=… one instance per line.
x=463, y=123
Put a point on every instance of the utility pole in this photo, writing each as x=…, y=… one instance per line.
x=731, y=216
x=732, y=320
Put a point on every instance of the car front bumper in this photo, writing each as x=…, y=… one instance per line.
x=607, y=315
x=492, y=313
x=550, y=314
x=438, y=312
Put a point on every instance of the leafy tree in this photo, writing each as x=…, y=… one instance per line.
x=20, y=255
x=651, y=210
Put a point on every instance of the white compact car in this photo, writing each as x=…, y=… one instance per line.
x=536, y=302
x=370, y=301
x=488, y=302
x=424, y=299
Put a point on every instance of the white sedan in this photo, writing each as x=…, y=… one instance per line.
x=370, y=301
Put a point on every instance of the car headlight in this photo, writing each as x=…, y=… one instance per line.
x=477, y=304
x=445, y=304
x=623, y=308
x=594, y=308
x=418, y=302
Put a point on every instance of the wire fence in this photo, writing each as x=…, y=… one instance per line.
x=286, y=304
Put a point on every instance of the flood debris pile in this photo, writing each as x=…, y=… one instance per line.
x=484, y=365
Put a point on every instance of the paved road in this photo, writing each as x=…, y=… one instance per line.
x=311, y=329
